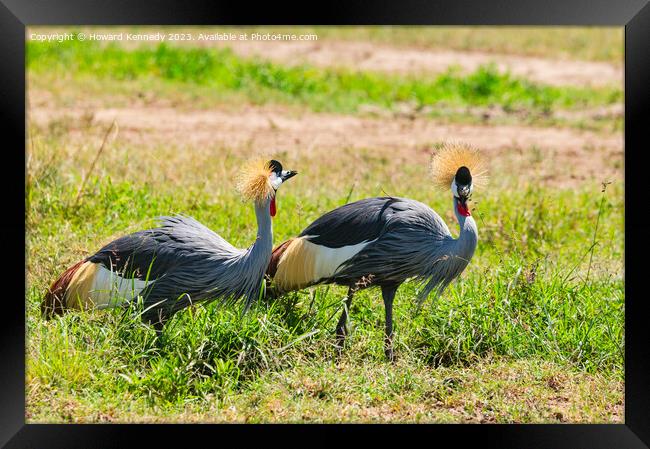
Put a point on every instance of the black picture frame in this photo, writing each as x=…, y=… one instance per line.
x=15, y=15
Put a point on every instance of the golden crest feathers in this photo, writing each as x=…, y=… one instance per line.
x=450, y=157
x=253, y=182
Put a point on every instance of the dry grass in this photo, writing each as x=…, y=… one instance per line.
x=489, y=391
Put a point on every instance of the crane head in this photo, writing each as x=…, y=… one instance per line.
x=460, y=166
x=278, y=175
x=461, y=187
x=259, y=180
x=455, y=159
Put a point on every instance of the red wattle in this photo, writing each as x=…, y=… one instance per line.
x=272, y=208
x=464, y=211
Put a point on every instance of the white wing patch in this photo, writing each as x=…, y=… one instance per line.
x=111, y=290
x=329, y=259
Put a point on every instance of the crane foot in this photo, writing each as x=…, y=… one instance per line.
x=388, y=350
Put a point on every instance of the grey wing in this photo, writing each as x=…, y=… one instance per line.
x=197, y=264
x=188, y=235
x=148, y=254
x=413, y=239
x=352, y=223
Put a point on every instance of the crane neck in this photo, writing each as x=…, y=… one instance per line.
x=256, y=258
x=468, y=236
x=258, y=254
x=264, y=224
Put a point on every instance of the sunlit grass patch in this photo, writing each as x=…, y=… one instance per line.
x=320, y=89
x=525, y=300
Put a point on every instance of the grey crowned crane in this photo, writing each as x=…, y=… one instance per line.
x=385, y=241
x=178, y=263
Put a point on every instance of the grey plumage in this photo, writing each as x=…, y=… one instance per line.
x=207, y=267
x=178, y=263
x=185, y=262
x=381, y=242
x=407, y=239
x=415, y=243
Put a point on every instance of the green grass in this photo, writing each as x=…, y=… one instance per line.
x=87, y=92
x=532, y=331
x=320, y=89
x=523, y=306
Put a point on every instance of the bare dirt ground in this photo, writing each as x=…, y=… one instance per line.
x=556, y=156
x=365, y=56
x=560, y=157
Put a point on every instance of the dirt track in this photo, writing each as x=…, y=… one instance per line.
x=558, y=156
x=552, y=155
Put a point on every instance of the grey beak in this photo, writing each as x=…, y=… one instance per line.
x=288, y=174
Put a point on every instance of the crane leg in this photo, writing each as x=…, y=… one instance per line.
x=341, y=330
x=388, y=293
x=271, y=291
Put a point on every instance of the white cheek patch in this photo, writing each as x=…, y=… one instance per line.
x=454, y=188
x=275, y=180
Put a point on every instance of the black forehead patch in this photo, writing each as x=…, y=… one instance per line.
x=463, y=176
x=275, y=166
